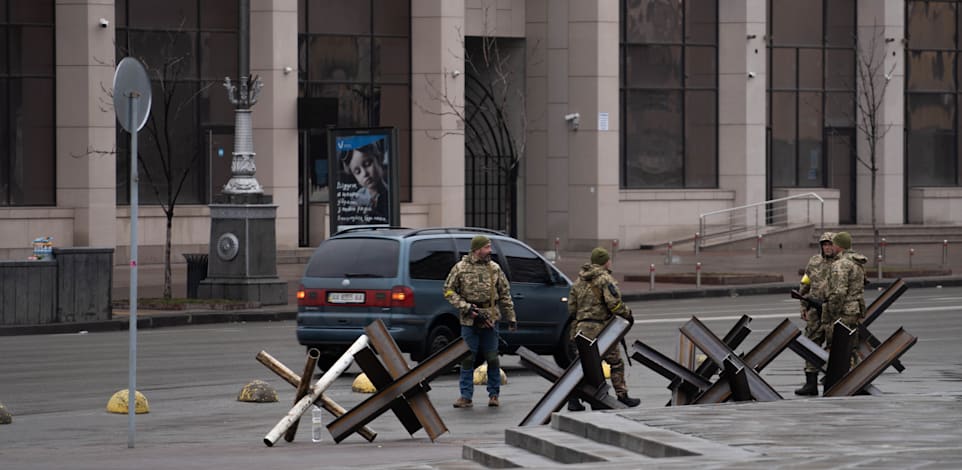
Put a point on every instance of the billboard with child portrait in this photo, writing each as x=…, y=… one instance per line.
x=363, y=171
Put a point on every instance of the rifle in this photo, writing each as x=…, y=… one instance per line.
x=812, y=303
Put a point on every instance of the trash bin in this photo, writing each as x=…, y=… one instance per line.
x=196, y=272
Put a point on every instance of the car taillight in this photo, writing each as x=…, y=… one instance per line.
x=310, y=297
x=402, y=296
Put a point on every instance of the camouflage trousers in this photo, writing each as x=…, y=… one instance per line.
x=815, y=331
x=612, y=356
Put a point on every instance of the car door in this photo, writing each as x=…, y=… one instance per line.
x=539, y=295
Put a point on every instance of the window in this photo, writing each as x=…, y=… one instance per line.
x=811, y=88
x=525, y=265
x=354, y=70
x=195, y=43
x=27, y=107
x=932, y=93
x=432, y=258
x=669, y=94
x=355, y=257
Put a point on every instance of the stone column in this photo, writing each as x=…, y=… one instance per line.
x=592, y=190
x=437, y=136
x=884, y=19
x=274, y=49
x=742, y=79
x=86, y=180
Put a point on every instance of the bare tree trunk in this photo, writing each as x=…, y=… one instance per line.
x=167, y=277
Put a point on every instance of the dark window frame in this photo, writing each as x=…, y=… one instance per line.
x=952, y=157
x=7, y=144
x=625, y=89
x=195, y=80
x=368, y=87
x=824, y=47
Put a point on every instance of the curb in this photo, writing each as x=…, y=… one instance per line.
x=241, y=316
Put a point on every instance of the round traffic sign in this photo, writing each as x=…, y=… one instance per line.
x=131, y=81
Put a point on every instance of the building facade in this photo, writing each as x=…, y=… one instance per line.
x=620, y=119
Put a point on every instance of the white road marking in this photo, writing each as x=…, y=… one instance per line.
x=781, y=315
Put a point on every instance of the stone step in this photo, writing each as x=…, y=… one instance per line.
x=501, y=455
x=566, y=448
x=613, y=429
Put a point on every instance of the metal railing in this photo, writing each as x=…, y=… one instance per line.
x=740, y=222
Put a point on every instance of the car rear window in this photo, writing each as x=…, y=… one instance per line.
x=432, y=258
x=355, y=257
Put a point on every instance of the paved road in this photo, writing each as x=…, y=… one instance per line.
x=57, y=387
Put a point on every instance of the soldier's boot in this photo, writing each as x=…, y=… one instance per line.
x=628, y=401
x=811, y=385
x=574, y=404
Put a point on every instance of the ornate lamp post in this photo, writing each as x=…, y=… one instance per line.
x=243, y=96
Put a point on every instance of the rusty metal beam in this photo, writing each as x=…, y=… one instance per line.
x=840, y=354
x=369, y=409
x=312, y=355
x=867, y=370
x=668, y=368
x=814, y=354
x=598, y=399
x=680, y=395
x=884, y=300
x=738, y=380
x=390, y=354
x=556, y=396
x=590, y=359
x=772, y=345
x=738, y=332
x=381, y=379
x=760, y=356
x=323, y=401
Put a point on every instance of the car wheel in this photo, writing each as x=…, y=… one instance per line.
x=565, y=352
x=439, y=337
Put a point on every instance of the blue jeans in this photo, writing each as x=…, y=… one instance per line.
x=483, y=342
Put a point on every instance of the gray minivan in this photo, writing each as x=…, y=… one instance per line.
x=396, y=275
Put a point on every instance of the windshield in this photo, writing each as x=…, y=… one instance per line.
x=355, y=257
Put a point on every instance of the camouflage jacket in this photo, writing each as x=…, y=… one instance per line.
x=595, y=296
x=846, y=286
x=473, y=281
x=818, y=269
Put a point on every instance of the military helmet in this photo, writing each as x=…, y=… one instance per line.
x=826, y=237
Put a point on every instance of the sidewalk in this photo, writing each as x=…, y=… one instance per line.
x=635, y=265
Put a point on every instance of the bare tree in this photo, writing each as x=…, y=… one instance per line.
x=173, y=102
x=491, y=113
x=872, y=80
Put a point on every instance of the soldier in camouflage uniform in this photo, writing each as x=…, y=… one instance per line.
x=814, y=285
x=846, y=289
x=593, y=300
x=477, y=287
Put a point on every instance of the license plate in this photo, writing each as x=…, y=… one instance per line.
x=345, y=297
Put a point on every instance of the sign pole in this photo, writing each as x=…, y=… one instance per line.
x=134, y=201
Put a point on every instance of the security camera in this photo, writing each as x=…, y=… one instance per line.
x=574, y=119
x=104, y=23
x=751, y=74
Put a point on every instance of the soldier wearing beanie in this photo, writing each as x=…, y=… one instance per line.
x=478, y=288
x=593, y=301
x=814, y=285
x=845, y=298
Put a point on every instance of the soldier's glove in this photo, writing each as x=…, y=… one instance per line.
x=512, y=326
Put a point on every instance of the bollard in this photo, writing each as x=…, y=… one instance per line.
x=880, y=267
x=614, y=249
x=945, y=253
x=697, y=248
x=758, y=247
x=668, y=253
x=883, y=243
x=651, y=277
x=698, y=275
x=911, y=255
x=557, y=248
